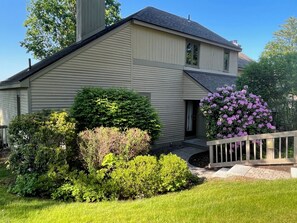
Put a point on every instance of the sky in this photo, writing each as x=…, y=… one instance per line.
x=250, y=22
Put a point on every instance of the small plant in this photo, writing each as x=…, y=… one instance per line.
x=96, y=144
x=231, y=113
x=121, y=108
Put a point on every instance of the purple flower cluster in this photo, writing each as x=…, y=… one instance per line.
x=231, y=113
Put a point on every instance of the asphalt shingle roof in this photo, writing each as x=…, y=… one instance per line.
x=169, y=21
x=148, y=15
x=211, y=81
x=243, y=60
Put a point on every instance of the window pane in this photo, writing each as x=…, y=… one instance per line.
x=189, y=53
x=195, y=55
x=226, y=61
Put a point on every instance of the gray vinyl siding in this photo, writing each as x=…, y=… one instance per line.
x=212, y=58
x=8, y=105
x=106, y=63
x=154, y=45
x=233, y=63
x=166, y=91
x=192, y=90
x=24, y=101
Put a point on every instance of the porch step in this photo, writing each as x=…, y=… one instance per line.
x=221, y=173
x=251, y=172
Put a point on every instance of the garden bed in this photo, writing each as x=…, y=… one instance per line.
x=200, y=159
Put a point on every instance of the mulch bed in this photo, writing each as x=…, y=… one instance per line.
x=200, y=159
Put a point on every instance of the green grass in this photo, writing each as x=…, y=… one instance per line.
x=214, y=201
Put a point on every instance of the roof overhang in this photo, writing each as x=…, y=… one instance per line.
x=211, y=81
x=15, y=85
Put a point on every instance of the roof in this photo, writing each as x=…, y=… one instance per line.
x=166, y=20
x=243, y=60
x=148, y=15
x=211, y=81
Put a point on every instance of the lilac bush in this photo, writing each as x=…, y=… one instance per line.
x=231, y=113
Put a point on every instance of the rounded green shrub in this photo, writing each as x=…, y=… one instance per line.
x=121, y=108
x=137, y=178
x=174, y=173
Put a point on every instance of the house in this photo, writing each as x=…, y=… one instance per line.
x=243, y=61
x=172, y=60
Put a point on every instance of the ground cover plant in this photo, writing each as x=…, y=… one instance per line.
x=230, y=113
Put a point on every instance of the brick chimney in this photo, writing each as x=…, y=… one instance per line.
x=90, y=18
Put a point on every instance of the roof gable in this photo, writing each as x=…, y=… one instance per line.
x=169, y=21
x=148, y=15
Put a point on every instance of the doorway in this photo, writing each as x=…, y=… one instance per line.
x=191, y=118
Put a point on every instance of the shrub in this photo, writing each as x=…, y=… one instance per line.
x=231, y=113
x=174, y=173
x=40, y=142
x=121, y=108
x=138, y=178
x=96, y=144
x=90, y=187
x=144, y=176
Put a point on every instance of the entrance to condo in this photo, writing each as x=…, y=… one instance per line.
x=195, y=126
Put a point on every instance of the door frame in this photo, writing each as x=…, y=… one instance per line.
x=193, y=119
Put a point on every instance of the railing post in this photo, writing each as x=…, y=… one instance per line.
x=270, y=149
x=295, y=147
x=210, y=155
x=247, y=148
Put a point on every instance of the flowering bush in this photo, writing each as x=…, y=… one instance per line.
x=231, y=113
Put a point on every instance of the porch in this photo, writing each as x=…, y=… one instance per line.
x=262, y=149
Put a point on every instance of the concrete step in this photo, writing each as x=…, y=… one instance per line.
x=221, y=173
x=251, y=172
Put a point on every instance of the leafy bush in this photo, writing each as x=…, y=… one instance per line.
x=174, y=173
x=121, y=108
x=90, y=187
x=275, y=79
x=144, y=176
x=40, y=143
x=96, y=144
x=231, y=113
x=138, y=178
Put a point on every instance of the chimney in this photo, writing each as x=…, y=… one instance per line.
x=90, y=18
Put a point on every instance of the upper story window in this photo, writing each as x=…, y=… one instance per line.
x=226, y=60
x=192, y=53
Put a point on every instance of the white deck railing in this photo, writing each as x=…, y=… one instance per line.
x=271, y=148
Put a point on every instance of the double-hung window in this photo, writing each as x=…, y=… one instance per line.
x=226, y=60
x=192, y=53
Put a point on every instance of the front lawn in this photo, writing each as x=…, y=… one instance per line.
x=215, y=201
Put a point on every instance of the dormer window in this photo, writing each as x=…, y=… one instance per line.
x=226, y=60
x=192, y=53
